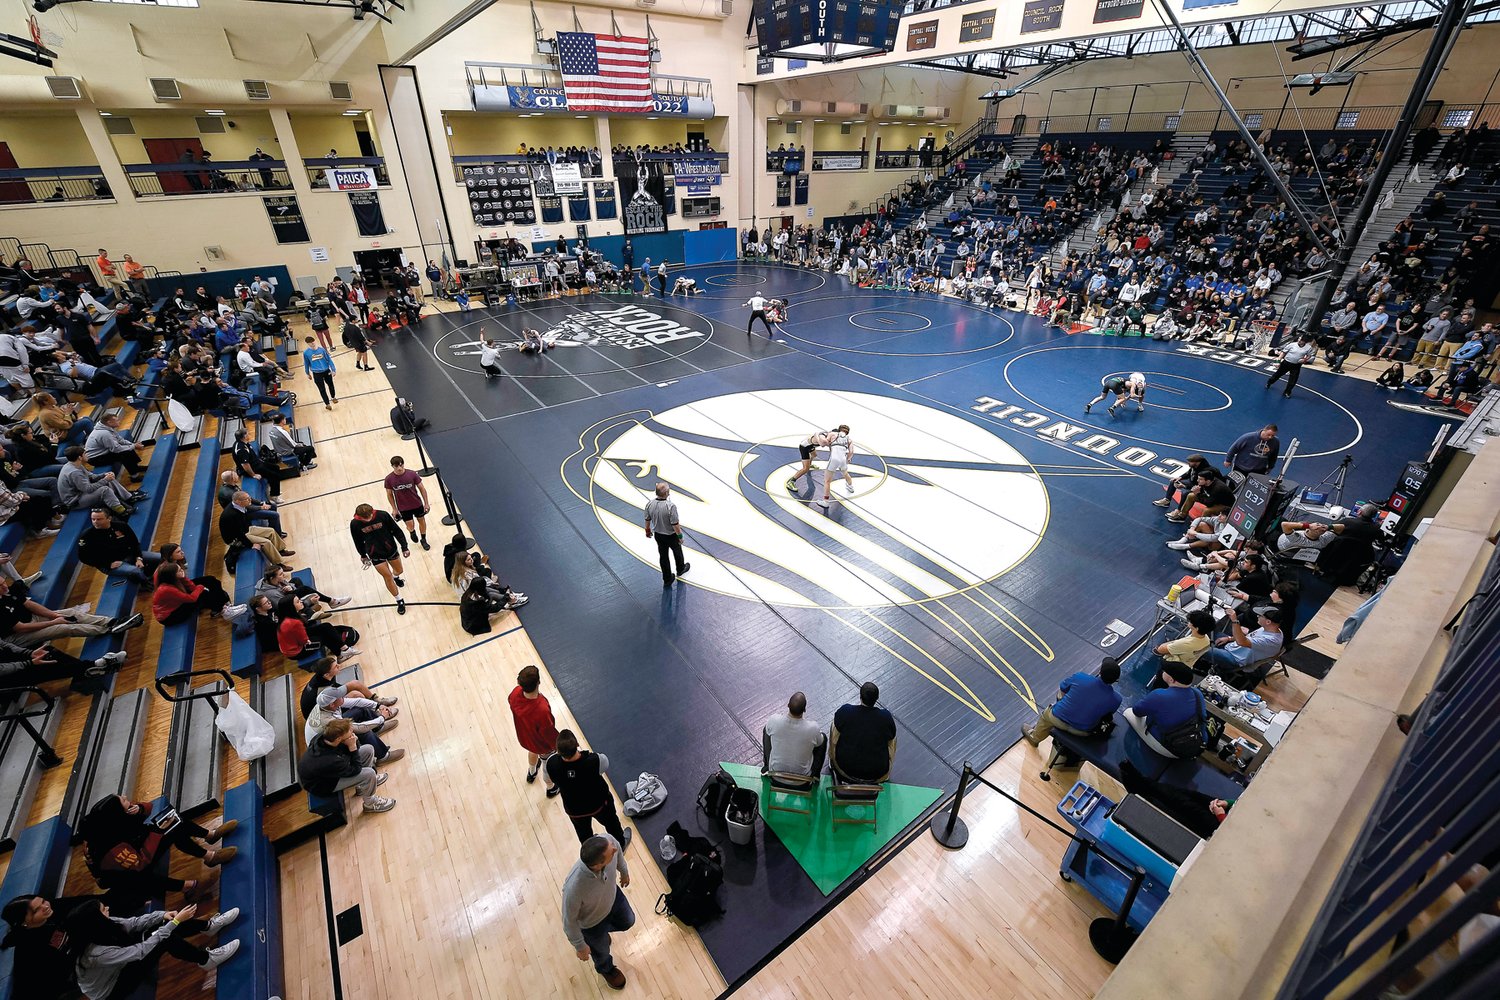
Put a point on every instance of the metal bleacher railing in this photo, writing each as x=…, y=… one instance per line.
x=158, y=180
x=53, y=184
x=1423, y=867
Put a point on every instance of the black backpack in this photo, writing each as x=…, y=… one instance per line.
x=1187, y=740
x=694, y=880
x=713, y=797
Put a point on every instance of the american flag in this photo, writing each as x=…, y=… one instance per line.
x=605, y=73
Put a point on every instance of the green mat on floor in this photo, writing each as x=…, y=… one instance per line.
x=828, y=853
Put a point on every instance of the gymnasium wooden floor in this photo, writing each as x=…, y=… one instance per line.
x=458, y=887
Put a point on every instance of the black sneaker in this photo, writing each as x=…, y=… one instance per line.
x=400, y=606
x=425, y=546
x=531, y=776
x=414, y=536
x=554, y=791
x=399, y=582
x=685, y=567
x=1087, y=407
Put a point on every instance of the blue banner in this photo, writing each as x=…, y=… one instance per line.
x=554, y=99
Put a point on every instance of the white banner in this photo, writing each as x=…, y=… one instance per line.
x=567, y=178
x=844, y=163
x=351, y=178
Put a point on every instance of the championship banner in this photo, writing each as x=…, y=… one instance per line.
x=551, y=206
x=669, y=195
x=567, y=178
x=367, y=214
x=351, y=178
x=499, y=193
x=578, y=207
x=1041, y=15
x=783, y=191
x=286, y=219
x=604, y=200
x=977, y=27
x=555, y=100
x=1117, y=10
x=799, y=190
x=852, y=162
x=644, y=194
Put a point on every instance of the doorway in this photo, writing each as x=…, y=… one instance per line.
x=174, y=151
x=12, y=192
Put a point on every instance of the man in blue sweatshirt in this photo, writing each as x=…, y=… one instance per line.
x=1083, y=701
x=1254, y=452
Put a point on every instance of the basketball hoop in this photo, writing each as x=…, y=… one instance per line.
x=1263, y=330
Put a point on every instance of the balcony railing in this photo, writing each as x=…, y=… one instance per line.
x=840, y=159
x=587, y=168
x=52, y=184
x=158, y=180
x=318, y=167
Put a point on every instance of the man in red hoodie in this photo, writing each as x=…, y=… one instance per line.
x=536, y=730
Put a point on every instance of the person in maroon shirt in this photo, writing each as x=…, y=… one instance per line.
x=536, y=730
x=407, y=496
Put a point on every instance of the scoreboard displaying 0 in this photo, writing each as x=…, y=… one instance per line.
x=1250, y=504
x=789, y=24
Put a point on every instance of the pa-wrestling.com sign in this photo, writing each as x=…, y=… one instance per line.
x=627, y=336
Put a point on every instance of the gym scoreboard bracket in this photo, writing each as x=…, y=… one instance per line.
x=826, y=30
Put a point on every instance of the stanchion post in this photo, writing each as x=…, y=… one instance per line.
x=1112, y=936
x=949, y=830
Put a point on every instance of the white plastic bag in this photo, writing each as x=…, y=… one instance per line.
x=251, y=736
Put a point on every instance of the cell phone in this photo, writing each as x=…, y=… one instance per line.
x=166, y=820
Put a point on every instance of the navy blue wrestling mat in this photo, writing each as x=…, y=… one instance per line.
x=991, y=538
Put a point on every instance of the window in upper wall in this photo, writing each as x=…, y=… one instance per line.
x=1347, y=119
x=1171, y=122
x=1254, y=120
x=1458, y=119
x=1105, y=124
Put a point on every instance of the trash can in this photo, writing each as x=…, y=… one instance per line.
x=744, y=807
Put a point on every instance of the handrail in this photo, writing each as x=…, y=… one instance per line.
x=183, y=168
x=25, y=173
x=45, y=754
x=343, y=161
x=181, y=677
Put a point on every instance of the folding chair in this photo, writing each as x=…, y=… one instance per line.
x=844, y=794
x=785, y=785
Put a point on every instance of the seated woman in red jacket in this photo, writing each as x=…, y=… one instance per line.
x=179, y=599
x=297, y=636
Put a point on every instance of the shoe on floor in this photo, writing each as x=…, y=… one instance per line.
x=1087, y=407
x=400, y=606
x=218, y=956
x=339, y=602
x=222, y=919
x=33, y=578
x=1163, y=502
x=685, y=568
x=134, y=621
x=389, y=727
x=1179, y=544
x=386, y=702
x=1177, y=518
x=399, y=581
x=1196, y=565
x=554, y=791
x=791, y=487
x=516, y=601
x=668, y=582
x=381, y=778
x=351, y=651
x=624, y=843
x=531, y=775
x=1026, y=735
x=392, y=756
x=425, y=546
x=614, y=977
x=414, y=536
x=379, y=804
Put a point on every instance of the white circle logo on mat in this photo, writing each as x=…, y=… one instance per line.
x=937, y=505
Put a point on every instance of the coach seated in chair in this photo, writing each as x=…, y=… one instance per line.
x=1083, y=702
x=1213, y=491
x=1345, y=547
x=862, y=740
x=792, y=745
x=1237, y=654
x=1161, y=721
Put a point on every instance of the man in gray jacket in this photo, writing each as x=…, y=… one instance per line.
x=79, y=489
x=593, y=906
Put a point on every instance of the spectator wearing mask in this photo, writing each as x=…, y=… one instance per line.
x=1083, y=701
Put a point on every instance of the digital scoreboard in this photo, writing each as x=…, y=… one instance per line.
x=825, y=30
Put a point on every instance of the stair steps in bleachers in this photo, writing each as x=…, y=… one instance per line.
x=21, y=766
x=110, y=753
x=277, y=702
x=193, y=777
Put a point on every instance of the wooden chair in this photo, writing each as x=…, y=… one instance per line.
x=785, y=785
x=844, y=794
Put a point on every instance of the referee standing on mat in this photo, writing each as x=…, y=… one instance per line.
x=757, y=306
x=661, y=522
x=1292, y=360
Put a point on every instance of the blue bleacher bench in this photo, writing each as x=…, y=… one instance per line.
x=38, y=866
x=252, y=883
x=178, y=642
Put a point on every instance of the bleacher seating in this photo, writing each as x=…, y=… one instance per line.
x=38, y=866
x=21, y=765
x=109, y=755
x=178, y=642
x=251, y=883
x=192, y=778
x=278, y=703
